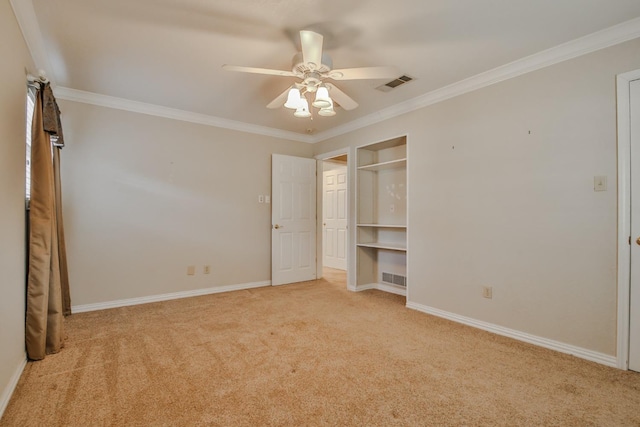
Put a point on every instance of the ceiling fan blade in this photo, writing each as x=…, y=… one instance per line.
x=280, y=99
x=311, y=48
x=258, y=70
x=365, y=73
x=341, y=98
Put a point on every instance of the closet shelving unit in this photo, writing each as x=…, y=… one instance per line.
x=381, y=188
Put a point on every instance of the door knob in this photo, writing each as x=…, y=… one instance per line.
x=638, y=240
x=276, y=226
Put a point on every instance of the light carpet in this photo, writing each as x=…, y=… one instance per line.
x=308, y=354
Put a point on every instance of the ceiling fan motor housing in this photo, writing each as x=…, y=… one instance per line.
x=299, y=66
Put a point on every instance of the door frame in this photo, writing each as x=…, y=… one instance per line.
x=623, y=82
x=331, y=166
x=320, y=158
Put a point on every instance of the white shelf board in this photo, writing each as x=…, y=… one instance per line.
x=382, y=225
x=392, y=164
x=389, y=246
x=383, y=145
x=385, y=287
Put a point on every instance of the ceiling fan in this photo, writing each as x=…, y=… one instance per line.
x=313, y=67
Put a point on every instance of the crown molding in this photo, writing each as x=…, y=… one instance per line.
x=611, y=36
x=172, y=113
x=28, y=22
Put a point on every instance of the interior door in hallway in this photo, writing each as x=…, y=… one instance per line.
x=634, y=309
x=293, y=219
x=334, y=220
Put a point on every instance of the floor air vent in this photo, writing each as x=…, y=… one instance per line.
x=395, y=83
x=394, y=279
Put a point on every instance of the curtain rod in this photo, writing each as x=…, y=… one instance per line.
x=35, y=80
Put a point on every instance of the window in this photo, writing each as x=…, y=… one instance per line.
x=30, y=105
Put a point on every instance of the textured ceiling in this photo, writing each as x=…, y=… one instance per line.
x=170, y=52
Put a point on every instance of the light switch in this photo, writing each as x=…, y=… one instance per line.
x=599, y=183
x=260, y=198
x=267, y=199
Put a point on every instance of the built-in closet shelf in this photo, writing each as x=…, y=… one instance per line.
x=388, y=246
x=381, y=216
x=383, y=226
x=392, y=164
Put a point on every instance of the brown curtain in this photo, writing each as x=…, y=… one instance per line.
x=47, y=281
x=62, y=248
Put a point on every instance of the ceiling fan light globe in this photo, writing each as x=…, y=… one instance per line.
x=321, y=104
x=322, y=98
x=293, y=99
x=303, y=109
x=302, y=114
x=326, y=112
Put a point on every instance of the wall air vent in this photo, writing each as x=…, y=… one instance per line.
x=395, y=83
x=394, y=279
x=399, y=280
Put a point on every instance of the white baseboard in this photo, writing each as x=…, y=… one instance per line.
x=381, y=287
x=11, y=386
x=166, y=297
x=580, y=352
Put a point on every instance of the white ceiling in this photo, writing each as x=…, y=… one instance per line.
x=170, y=52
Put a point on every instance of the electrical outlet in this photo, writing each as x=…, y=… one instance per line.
x=487, y=292
x=206, y=269
x=260, y=198
x=267, y=199
x=191, y=270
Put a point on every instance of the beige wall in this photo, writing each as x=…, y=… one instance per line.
x=500, y=185
x=145, y=197
x=500, y=194
x=15, y=58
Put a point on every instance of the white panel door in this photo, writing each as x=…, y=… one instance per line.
x=634, y=321
x=334, y=202
x=293, y=219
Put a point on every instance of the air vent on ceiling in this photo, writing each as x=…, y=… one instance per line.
x=395, y=83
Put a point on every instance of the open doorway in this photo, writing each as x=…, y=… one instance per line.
x=335, y=217
x=628, y=100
